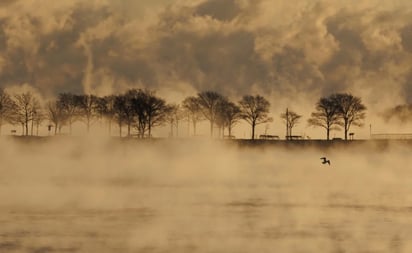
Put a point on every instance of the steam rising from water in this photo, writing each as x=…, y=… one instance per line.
x=104, y=196
x=301, y=49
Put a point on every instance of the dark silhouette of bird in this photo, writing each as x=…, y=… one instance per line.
x=325, y=161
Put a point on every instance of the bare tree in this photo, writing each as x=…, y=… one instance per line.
x=174, y=115
x=67, y=102
x=229, y=115
x=106, y=109
x=154, y=109
x=124, y=110
x=87, y=108
x=326, y=115
x=291, y=119
x=350, y=110
x=26, y=104
x=209, y=105
x=121, y=112
x=143, y=109
x=192, y=107
x=6, y=107
x=56, y=115
x=38, y=116
x=254, y=110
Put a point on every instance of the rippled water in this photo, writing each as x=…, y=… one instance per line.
x=244, y=201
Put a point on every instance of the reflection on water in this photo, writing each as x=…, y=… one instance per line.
x=232, y=205
x=240, y=225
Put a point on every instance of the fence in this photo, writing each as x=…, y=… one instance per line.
x=391, y=136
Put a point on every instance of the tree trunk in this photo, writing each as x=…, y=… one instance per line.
x=211, y=128
x=177, y=128
x=128, y=129
x=27, y=128
x=188, y=126
x=171, y=129
x=32, y=126
x=110, y=127
x=230, y=131
x=327, y=133
x=194, y=127
x=346, y=129
x=253, y=130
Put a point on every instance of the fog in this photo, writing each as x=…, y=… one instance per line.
x=107, y=195
x=291, y=52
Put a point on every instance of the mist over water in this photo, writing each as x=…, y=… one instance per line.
x=88, y=195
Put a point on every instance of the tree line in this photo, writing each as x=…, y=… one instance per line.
x=140, y=111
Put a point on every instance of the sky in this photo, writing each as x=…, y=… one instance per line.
x=292, y=52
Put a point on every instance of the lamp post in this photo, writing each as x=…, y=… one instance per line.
x=49, y=127
x=370, y=131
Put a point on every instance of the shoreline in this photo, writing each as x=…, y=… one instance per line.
x=380, y=144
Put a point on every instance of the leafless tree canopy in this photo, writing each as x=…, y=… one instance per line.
x=229, y=115
x=88, y=106
x=326, y=115
x=350, y=109
x=6, y=107
x=209, y=105
x=255, y=110
x=142, y=110
x=291, y=119
x=339, y=109
x=26, y=106
x=192, y=107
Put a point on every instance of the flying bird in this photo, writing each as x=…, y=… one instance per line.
x=325, y=161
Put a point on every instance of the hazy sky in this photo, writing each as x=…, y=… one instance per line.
x=291, y=51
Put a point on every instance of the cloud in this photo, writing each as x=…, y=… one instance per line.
x=236, y=47
x=400, y=114
x=223, y=10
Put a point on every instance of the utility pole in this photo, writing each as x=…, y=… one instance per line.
x=287, y=124
x=370, y=131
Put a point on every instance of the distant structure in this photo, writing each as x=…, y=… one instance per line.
x=287, y=136
x=389, y=136
x=268, y=137
x=294, y=137
x=392, y=136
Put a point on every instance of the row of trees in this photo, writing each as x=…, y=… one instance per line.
x=138, y=110
x=22, y=109
x=338, y=110
x=142, y=110
x=331, y=113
